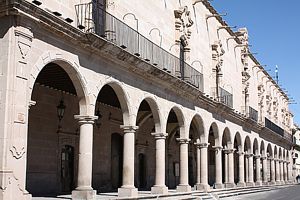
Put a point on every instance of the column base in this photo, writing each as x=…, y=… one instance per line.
x=229, y=185
x=84, y=194
x=241, y=184
x=250, y=184
x=264, y=183
x=272, y=183
x=218, y=186
x=128, y=192
x=156, y=189
x=278, y=183
x=258, y=183
x=183, y=188
x=203, y=187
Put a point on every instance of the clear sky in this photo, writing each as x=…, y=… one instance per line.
x=274, y=33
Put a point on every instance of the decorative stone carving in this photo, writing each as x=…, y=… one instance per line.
x=261, y=91
x=217, y=54
x=243, y=36
x=183, y=22
x=275, y=108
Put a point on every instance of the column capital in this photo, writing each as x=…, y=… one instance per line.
x=159, y=135
x=263, y=157
x=85, y=119
x=228, y=151
x=183, y=140
x=248, y=155
x=200, y=145
x=129, y=128
x=271, y=158
x=217, y=148
x=257, y=156
x=240, y=153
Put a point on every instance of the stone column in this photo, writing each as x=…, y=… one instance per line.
x=265, y=170
x=247, y=167
x=277, y=171
x=84, y=188
x=230, y=169
x=184, y=168
x=218, y=153
x=258, y=176
x=272, y=160
x=160, y=163
x=281, y=171
x=250, y=163
x=225, y=166
x=203, y=171
x=284, y=172
x=128, y=189
x=241, y=182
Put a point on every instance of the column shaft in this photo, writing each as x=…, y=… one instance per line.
x=184, y=170
x=226, y=166
x=272, y=171
x=258, y=176
x=204, y=171
x=250, y=179
x=265, y=169
x=218, y=154
x=277, y=170
x=160, y=156
x=128, y=189
x=85, y=160
x=241, y=169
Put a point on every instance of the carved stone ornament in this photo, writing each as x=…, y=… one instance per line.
x=17, y=152
x=243, y=37
x=217, y=53
x=183, y=22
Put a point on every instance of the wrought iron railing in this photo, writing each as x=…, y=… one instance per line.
x=272, y=126
x=223, y=96
x=92, y=18
x=253, y=114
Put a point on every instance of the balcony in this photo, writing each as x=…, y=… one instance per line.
x=223, y=96
x=91, y=18
x=250, y=113
x=270, y=125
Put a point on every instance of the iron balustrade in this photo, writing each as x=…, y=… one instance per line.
x=92, y=18
x=223, y=96
x=272, y=126
x=253, y=114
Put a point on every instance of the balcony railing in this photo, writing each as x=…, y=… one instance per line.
x=223, y=96
x=251, y=113
x=270, y=125
x=93, y=19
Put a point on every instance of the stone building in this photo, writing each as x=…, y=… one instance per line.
x=102, y=96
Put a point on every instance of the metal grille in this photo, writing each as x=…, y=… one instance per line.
x=92, y=18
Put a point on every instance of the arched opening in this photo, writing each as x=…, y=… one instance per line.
x=116, y=160
x=263, y=156
x=196, y=135
x=174, y=124
x=238, y=148
x=213, y=140
x=53, y=133
x=147, y=120
x=256, y=153
x=247, y=150
x=269, y=156
x=227, y=145
x=111, y=107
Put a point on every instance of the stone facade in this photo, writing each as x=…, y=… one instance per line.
x=138, y=96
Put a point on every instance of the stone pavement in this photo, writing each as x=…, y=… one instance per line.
x=291, y=192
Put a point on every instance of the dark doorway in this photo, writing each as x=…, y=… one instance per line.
x=67, y=169
x=142, y=171
x=116, y=160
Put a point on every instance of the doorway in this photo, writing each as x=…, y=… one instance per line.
x=67, y=169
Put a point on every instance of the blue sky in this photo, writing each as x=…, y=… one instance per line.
x=274, y=33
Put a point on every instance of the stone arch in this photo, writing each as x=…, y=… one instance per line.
x=247, y=145
x=262, y=148
x=255, y=147
x=279, y=153
x=155, y=111
x=226, y=138
x=238, y=141
x=197, y=119
x=72, y=69
x=275, y=152
x=270, y=151
x=123, y=99
x=181, y=121
x=215, y=129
